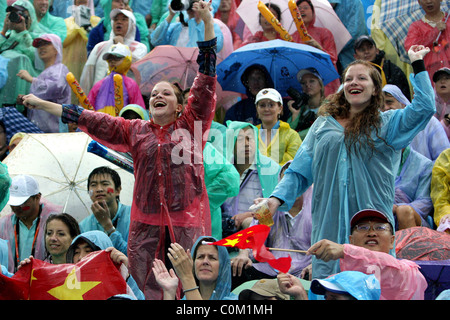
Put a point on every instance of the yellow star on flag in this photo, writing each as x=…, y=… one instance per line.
x=231, y=242
x=72, y=289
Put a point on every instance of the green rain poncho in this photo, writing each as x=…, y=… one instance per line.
x=20, y=56
x=53, y=24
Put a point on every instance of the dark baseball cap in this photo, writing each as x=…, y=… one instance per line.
x=362, y=39
x=443, y=70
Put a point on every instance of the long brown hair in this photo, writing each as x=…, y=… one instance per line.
x=358, y=131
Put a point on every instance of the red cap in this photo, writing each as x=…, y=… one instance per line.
x=367, y=213
x=37, y=42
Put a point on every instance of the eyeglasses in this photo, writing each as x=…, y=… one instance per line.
x=377, y=227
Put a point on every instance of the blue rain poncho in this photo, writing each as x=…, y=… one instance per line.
x=412, y=185
x=223, y=282
x=345, y=183
x=121, y=222
x=98, y=240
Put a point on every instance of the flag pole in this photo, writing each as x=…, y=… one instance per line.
x=287, y=250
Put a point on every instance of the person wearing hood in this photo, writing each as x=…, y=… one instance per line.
x=50, y=23
x=102, y=95
x=204, y=275
x=429, y=142
x=134, y=111
x=79, y=24
x=183, y=33
x=102, y=31
x=258, y=175
x=254, y=78
x=123, y=31
x=366, y=49
x=440, y=190
x=170, y=201
x=291, y=230
x=95, y=240
x=276, y=139
x=16, y=45
x=51, y=84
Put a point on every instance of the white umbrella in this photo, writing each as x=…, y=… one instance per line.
x=325, y=18
x=61, y=165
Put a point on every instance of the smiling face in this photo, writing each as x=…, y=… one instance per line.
x=46, y=51
x=268, y=111
x=164, y=104
x=359, y=87
x=206, y=263
x=57, y=238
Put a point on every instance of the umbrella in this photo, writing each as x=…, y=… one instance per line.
x=16, y=122
x=172, y=64
x=61, y=165
x=437, y=274
x=325, y=18
x=166, y=62
x=283, y=60
x=421, y=243
x=395, y=18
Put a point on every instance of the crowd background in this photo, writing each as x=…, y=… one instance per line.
x=252, y=140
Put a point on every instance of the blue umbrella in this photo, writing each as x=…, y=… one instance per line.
x=283, y=60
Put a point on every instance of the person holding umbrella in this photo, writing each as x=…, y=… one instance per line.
x=352, y=151
x=170, y=202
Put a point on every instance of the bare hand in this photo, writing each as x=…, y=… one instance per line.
x=327, y=250
x=117, y=256
x=417, y=52
x=25, y=75
x=204, y=10
x=292, y=286
x=25, y=262
x=167, y=280
x=181, y=260
x=240, y=262
x=102, y=214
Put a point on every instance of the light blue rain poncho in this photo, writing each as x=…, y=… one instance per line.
x=53, y=24
x=121, y=222
x=98, y=240
x=267, y=169
x=412, y=185
x=223, y=282
x=345, y=183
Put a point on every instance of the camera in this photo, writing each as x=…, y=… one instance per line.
x=299, y=98
x=16, y=14
x=179, y=5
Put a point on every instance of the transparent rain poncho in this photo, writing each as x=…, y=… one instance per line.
x=345, y=183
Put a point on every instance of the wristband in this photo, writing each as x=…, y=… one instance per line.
x=110, y=231
x=192, y=289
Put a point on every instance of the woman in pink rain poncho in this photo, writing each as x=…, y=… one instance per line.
x=170, y=203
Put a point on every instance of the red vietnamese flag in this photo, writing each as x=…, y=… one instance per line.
x=254, y=238
x=96, y=277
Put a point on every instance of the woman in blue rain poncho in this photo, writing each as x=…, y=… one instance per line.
x=352, y=153
x=204, y=275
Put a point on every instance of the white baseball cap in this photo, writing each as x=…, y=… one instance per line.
x=118, y=50
x=22, y=187
x=269, y=93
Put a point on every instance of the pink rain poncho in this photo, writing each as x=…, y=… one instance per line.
x=420, y=32
x=169, y=197
x=399, y=279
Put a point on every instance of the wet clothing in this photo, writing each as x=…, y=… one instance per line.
x=169, y=190
x=344, y=182
x=440, y=186
x=121, y=222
